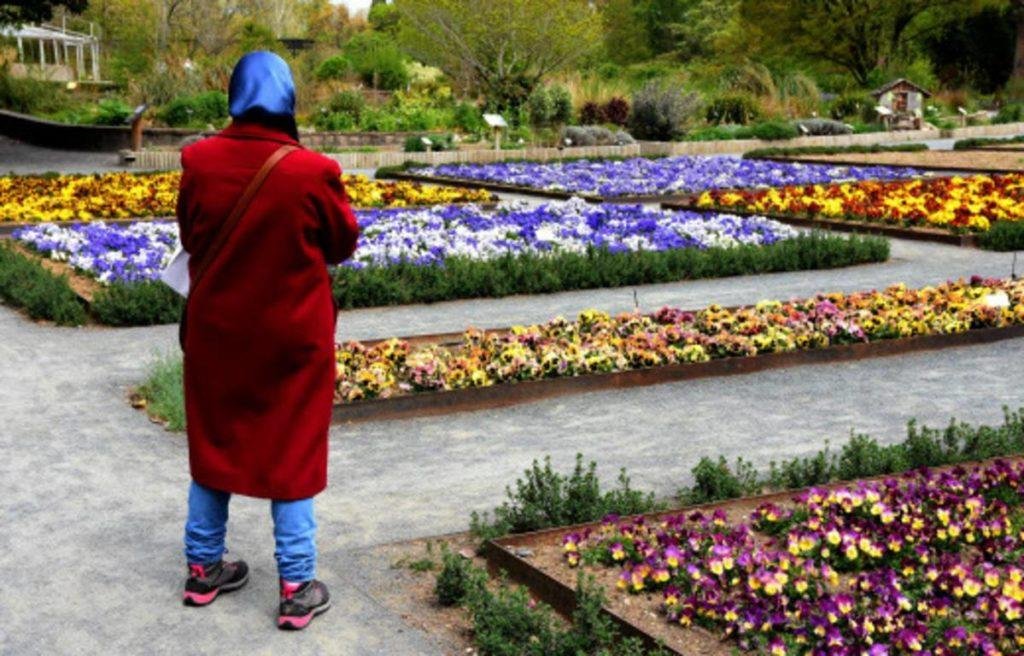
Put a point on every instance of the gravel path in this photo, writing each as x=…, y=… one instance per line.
x=92, y=497
x=21, y=158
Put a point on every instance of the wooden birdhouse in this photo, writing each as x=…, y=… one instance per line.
x=900, y=104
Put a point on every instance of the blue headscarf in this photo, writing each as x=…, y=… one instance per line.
x=262, y=90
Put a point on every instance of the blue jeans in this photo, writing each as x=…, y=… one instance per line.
x=294, y=532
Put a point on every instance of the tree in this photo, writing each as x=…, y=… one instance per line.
x=1017, y=11
x=36, y=11
x=502, y=48
x=977, y=52
x=625, y=35
x=384, y=17
x=857, y=35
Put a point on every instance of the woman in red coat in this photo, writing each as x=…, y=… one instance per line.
x=258, y=334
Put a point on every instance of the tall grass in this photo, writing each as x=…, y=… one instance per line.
x=164, y=391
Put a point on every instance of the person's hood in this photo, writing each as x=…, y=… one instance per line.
x=262, y=90
x=262, y=84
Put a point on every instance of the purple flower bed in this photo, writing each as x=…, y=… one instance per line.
x=129, y=253
x=110, y=253
x=666, y=176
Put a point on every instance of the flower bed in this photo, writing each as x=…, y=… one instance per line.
x=597, y=343
x=925, y=563
x=444, y=253
x=658, y=177
x=429, y=237
x=34, y=199
x=957, y=204
x=438, y=374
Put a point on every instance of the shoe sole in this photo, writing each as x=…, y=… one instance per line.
x=298, y=623
x=197, y=600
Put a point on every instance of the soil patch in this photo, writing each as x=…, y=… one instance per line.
x=84, y=287
x=987, y=161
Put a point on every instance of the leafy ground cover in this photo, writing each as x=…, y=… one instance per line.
x=662, y=176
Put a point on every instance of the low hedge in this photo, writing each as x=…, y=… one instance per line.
x=137, y=304
x=861, y=457
x=1003, y=236
x=760, y=153
x=26, y=284
x=978, y=142
x=461, y=278
x=151, y=303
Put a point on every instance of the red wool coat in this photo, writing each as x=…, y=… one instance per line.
x=259, y=334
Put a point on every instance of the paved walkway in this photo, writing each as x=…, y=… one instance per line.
x=92, y=495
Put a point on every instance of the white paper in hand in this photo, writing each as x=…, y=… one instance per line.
x=176, y=274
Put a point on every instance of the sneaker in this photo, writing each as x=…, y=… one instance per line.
x=300, y=603
x=205, y=582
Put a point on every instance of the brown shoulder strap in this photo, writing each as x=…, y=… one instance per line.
x=241, y=206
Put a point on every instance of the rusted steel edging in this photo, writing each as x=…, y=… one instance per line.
x=554, y=593
x=501, y=552
x=502, y=395
x=860, y=227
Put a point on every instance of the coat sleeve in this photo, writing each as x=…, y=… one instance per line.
x=182, y=208
x=340, y=230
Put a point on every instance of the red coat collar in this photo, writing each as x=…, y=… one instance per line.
x=258, y=131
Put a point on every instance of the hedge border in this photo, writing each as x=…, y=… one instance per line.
x=151, y=303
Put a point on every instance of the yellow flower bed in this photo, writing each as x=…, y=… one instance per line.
x=37, y=199
x=958, y=204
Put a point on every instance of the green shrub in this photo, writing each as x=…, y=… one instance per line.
x=336, y=67
x=832, y=150
x=137, y=304
x=717, y=133
x=1012, y=113
x=210, y=107
x=26, y=284
x=662, y=112
x=456, y=580
x=861, y=457
x=111, y=111
x=164, y=392
x=775, y=130
x=852, y=105
x=979, y=142
x=438, y=142
x=342, y=112
x=348, y=102
x=467, y=117
x=734, y=108
x=31, y=96
x=1003, y=236
x=548, y=106
x=325, y=121
x=714, y=481
x=544, y=498
x=377, y=60
x=506, y=622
